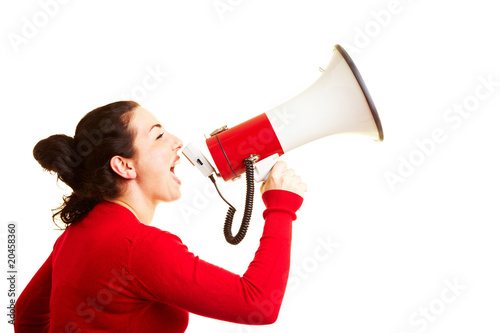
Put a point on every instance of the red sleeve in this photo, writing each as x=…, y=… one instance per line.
x=32, y=308
x=167, y=272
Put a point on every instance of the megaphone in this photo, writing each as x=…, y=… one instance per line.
x=337, y=103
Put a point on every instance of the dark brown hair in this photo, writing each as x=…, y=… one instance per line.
x=83, y=162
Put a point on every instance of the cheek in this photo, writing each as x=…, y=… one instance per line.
x=160, y=163
x=151, y=165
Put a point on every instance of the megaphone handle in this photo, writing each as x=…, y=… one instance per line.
x=262, y=169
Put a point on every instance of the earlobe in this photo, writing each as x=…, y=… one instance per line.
x=123, y=167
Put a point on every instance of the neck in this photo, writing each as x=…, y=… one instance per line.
x=143, y=209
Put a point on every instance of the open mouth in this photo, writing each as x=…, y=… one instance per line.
x=172, y=170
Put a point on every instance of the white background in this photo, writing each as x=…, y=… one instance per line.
x=400, y=246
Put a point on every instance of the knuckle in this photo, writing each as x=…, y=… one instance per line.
x=280, y=164
x=275, y=178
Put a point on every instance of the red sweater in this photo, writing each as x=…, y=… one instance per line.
x=111, y=273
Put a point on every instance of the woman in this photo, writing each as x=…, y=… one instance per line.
x=110, y=271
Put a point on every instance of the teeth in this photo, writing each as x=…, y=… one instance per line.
x=175, y=164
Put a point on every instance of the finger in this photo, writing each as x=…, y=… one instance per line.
x=290, y=173
x=279, y=167
x=297, y=179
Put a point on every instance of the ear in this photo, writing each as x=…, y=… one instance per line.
x=123, y=167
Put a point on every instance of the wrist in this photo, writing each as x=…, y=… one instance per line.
x=282, y=201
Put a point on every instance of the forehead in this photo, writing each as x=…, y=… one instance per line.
x=142, y=120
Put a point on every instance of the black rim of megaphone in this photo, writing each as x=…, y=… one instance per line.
x=368, y=97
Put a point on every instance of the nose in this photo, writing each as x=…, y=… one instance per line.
x=176, y=143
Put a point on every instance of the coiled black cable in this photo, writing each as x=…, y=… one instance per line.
x=228, y=234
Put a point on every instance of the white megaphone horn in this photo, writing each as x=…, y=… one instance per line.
x=337, y=103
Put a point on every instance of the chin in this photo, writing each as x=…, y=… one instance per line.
x=172, y=196
x=175, y=198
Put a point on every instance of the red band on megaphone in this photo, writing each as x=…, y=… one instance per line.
x=230, y=147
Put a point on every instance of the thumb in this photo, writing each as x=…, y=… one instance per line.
x=279, y=168
x=275, y=178
x=262, y=187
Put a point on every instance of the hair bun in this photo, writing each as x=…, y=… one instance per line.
x=57, y=153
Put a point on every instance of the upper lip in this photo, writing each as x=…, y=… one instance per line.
x=175, y=162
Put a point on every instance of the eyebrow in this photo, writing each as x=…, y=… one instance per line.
x=155, y=125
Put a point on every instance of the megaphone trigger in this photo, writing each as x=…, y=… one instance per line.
x=262, y=169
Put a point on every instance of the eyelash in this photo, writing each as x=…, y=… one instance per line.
x=159, y=136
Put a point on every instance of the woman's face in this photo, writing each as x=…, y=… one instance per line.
x=156, y=157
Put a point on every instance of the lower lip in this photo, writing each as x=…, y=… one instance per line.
x=177, y=180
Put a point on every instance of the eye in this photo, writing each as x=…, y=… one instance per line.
x=160, y=136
